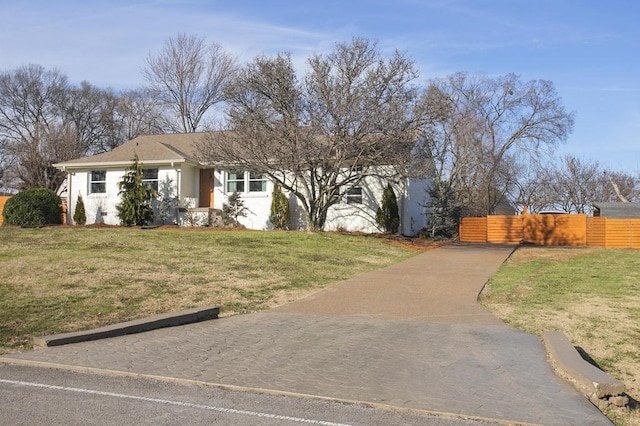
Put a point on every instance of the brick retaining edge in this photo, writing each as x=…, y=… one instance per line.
x=130, y=327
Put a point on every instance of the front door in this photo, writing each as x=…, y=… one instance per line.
x=206, y=188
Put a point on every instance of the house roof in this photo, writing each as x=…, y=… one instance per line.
x=616, y=210
x=151, y=149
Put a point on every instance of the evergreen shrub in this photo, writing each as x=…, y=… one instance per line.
x=279, y=216
x=387, y=216
x=80, y=215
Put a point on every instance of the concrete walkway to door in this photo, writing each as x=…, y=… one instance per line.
x=411, y=335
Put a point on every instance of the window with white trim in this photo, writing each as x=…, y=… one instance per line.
x=235, y=181
x=241, y=181
x=98, y=182
x=150, y=179
x=257, y=182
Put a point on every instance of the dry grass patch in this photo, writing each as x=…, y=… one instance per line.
x=55, y=280
x=592, y=295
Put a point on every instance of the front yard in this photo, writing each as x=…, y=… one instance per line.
x=590, y=294
x=62, y=279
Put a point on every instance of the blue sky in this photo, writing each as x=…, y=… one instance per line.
x=590, y=49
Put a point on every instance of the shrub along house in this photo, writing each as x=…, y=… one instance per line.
x=196, y=190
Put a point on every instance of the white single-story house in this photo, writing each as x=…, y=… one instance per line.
x=198, y=189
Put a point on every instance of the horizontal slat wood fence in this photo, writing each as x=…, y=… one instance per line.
x=3, y=199
x=615, y=233
x=557, y=230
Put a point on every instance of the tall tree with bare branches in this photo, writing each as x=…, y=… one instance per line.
x=320, y=137
x=573, y=184
x=189, y=77
x=479, y=127
x=31, y=101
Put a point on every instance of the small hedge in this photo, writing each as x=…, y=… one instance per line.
x=33, y=207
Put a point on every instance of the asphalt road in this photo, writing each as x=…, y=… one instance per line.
x=39, y=396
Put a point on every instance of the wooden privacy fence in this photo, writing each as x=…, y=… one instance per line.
x=615, y=233
x=3, y=199
x=552, y=229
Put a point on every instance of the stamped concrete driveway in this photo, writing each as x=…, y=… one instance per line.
x=411, y=335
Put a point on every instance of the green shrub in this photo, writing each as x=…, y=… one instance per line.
x=234, y=209
x=135, y=205
x=79, y=215
x=279, y=209
x=387, y=215
x=33, y=207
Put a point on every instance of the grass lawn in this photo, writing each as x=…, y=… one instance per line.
x=62, y=279
x=590, y=294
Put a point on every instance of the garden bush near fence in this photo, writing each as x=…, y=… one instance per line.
x=33, y=207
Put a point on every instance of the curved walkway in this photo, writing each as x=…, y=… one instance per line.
x=411, y=335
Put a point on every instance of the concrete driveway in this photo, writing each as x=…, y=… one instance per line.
x=411, y=335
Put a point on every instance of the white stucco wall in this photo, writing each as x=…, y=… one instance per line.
x=358, y=217
x=258, y=204
x=101, y=207
x=415, y=198
x=412, y=196
x=189, y=182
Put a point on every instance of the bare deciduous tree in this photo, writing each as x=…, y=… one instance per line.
x=139, y=113
x=31, y=100
x=127, y=115
x=189, y=77
x=575, y=184
x=320, y=138
x=531, y=188
x=620, y=186
x=83, y=113
x=44, y=120
x=572, y=185
x=5, y=184
x=478, y=126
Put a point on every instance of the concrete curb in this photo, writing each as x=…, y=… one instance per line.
x=130, y=327
x=592, y=382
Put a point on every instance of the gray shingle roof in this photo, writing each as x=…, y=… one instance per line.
x=615, y=210
x=156, y=149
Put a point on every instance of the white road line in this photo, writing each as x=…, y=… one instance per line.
x=178, y=403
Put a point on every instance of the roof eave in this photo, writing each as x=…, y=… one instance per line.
x=119, y=164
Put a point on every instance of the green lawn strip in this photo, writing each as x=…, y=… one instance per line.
x=56, y=280
x=607, y=273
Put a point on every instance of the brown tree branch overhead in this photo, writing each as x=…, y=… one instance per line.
x=616, y=189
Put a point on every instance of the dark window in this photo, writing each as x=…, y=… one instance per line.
x=257, y=182
x=150, y=179
x=354, y=196
x=98, y=182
